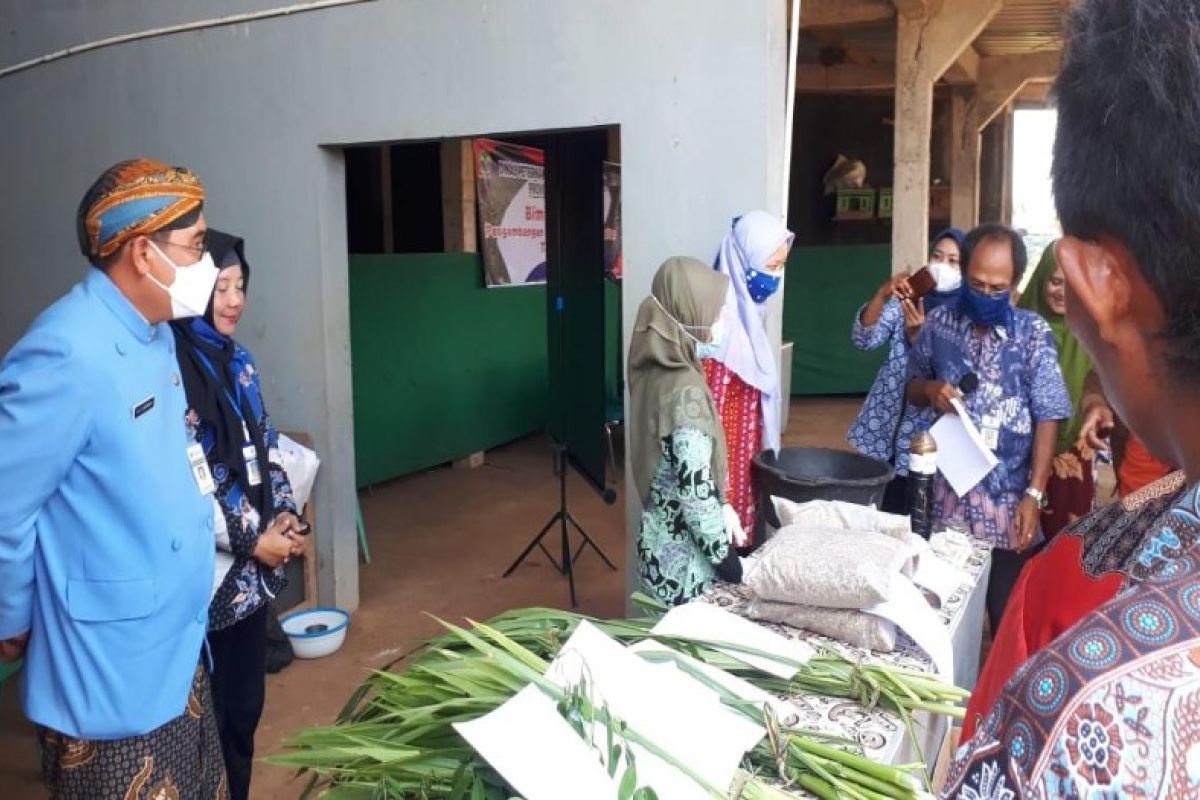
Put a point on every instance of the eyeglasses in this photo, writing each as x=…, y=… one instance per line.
x=197, y=250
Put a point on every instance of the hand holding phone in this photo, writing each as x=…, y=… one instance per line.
x=921, y=283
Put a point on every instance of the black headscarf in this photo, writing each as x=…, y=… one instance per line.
x=212, y=396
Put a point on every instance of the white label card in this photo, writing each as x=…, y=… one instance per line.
x=200, y=470
x=991, y=431
x=253, y=472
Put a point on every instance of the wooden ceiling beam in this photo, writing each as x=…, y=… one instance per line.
x=1001, y=78
x=833, y=13
x=912, y=9
x=1035, y=93
x=965, y=69
x=815, y=79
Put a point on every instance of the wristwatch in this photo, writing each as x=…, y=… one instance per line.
x=1039, y=496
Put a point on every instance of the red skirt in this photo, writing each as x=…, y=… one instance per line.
x=1071, y=490
x=740, y=407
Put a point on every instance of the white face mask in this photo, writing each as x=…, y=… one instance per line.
x=716, y=331
x=712, y=348
x=947, y=277
x=193, y=285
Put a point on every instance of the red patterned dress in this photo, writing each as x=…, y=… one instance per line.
x=740, y=407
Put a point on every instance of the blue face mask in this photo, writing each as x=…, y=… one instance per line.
x=761, y=285
x=992, y=310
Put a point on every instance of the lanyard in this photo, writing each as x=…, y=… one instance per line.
x=235, y=401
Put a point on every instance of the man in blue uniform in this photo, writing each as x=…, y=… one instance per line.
x=106, y=519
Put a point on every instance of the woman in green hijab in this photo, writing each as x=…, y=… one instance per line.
x=677, y=447
x=1071, y=491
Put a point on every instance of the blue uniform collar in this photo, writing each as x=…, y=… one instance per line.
x=102, y=286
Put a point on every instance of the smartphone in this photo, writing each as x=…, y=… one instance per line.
x=922, y=282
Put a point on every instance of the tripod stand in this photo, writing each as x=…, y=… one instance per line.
x=566, y=564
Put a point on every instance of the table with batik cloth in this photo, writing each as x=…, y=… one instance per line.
x=882, y=733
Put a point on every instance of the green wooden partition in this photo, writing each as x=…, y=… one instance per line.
x=442, y=366
x=824, y=288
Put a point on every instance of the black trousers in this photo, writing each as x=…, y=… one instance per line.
x=238, y=691
x=1006, y=568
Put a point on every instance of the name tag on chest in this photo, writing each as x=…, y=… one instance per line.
x=253, y=471
x=200, y=470
x=143, y=407
x=989, y=429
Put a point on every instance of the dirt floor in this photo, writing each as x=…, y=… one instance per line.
x=439, y=542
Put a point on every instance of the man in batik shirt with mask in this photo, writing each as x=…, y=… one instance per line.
x=1000, y=364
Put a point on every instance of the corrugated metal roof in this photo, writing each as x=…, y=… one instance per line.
x=1023, y=26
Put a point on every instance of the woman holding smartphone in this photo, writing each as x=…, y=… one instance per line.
x=257, y=529
x=893, y=317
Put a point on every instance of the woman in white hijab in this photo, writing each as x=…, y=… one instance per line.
x=743, y=376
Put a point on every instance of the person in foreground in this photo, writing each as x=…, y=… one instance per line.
x=1085, y=566
x=1017, y=401
x=261, y=531
x=678, y=449
x=1110, y=708
x=106, y=532
x=886, y=424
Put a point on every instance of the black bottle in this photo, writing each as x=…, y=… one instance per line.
x=922, y=465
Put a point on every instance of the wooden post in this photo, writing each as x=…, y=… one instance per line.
x=966, y=141
x=613, y=152
x=914, y=126
x=1006, y=186
x=930, y=38
x=458, y=196
x=1001, y=79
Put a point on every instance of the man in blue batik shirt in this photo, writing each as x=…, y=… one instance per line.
x=106, y=523
x=1016, y=399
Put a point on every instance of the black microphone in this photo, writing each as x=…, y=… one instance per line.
x=969, y=383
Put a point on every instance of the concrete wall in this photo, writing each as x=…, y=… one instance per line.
x=258, y=110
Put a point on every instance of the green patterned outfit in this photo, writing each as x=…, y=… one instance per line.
x=682, y=536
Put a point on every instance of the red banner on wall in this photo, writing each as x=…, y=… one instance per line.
x=510, y=185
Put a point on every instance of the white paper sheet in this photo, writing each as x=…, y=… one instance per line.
x=962, y=456
x=679, y=714
x=953, y=547
x=224, y=558
x=702, y=622
x=938, y=576
x=301, y=465
x=528, y=742
x=907, y=608
x=785, y=712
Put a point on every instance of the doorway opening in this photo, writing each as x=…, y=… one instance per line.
x=461, y=379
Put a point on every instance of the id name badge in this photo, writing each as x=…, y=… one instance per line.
x=200, y=470
x=990, y=431
x=253, y=472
